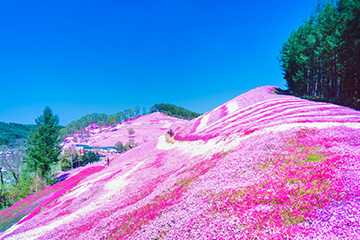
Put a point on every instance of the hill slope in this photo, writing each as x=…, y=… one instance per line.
x=262, y=165
x=146, y=128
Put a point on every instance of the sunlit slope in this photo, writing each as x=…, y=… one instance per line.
x=146, y=128
x=262, y=110
x=262, y=165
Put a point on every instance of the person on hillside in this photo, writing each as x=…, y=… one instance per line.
x=171, y=133
x=170, y=136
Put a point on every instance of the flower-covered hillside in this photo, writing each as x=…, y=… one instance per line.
x=262, y=166
x=145, y=128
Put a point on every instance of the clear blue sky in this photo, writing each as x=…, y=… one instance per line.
x=81, y=57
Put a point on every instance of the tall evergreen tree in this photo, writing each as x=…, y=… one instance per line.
x=321, y=58
x=44, y=144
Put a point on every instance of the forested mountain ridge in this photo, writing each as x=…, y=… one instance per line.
x=13, y=131
x=321, y=59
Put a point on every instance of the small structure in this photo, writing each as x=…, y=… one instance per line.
x=83, y=147
x=108, y=149
x=86, y=148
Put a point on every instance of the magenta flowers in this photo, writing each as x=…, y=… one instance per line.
x=262, y=166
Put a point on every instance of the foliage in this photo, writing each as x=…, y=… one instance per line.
x=44, y=144
x=321, y=60
x=11, y=160
x=67, y=159
x=90, y=157
x=131, y=131
x=120, y=147
x=70, y=160
x=130, y=144
x=174, y=111
x=27, y=185
x=9, y=132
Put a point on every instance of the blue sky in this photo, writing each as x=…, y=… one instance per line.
x=82, y=57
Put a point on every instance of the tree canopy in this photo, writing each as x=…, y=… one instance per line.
x=44, y=144
x=10, y=132
x=321, y=59
x=174, y=111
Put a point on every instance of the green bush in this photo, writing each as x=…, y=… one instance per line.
x=27, y=186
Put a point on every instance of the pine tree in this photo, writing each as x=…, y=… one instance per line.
x=321, y=58
x=43, y=145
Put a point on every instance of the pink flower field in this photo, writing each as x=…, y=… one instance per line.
x=261, y=166
x=146, y=128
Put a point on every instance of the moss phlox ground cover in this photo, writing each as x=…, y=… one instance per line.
x=261, y=166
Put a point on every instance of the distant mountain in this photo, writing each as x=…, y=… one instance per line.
x=10, y=132
x=174, y=111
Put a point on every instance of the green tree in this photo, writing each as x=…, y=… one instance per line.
x=44, y=144
x=144, y=111
x=90, y=157
x=321, y=59
x=137, y=111
x=119, y=147
x=174, y=111
x=131, y=131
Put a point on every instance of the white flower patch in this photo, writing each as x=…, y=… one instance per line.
x=163, y=144
x=116, y=135
x=118, y=126
x=78, y=190
x=113, y=186
x=167, y=125
x=200, y=147
x=232, y=106
x=203, y=122
x=34, y=233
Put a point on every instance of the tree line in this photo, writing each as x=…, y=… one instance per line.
x=321, y=59
x=174, y=111
x=31, y=163
x=10, y=132
x=71, y=159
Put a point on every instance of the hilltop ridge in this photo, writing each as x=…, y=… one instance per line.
x=146, y=128
x=261, y=165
